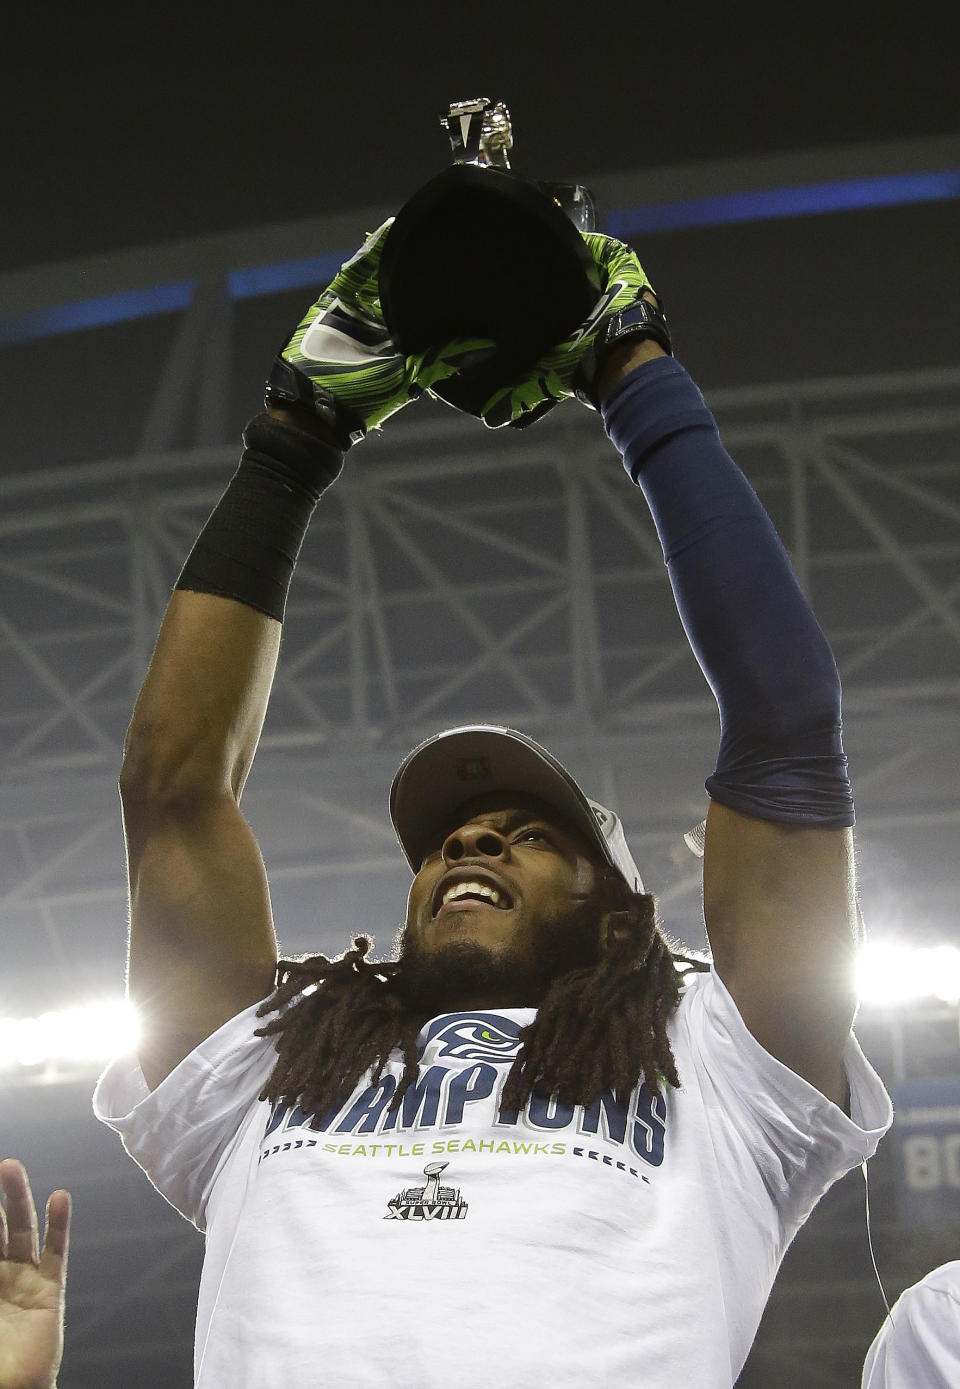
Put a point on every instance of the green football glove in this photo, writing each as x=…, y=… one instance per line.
x=570, y=367
x=341, y=362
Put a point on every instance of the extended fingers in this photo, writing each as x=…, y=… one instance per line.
x=21, y=1236
x=56, y=1241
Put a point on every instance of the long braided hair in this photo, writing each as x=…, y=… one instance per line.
x=600, y=1027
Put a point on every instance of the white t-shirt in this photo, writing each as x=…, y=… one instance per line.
x=921, y=1348
x=444, y=1246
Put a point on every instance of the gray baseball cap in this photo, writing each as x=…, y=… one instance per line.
x=461, y=763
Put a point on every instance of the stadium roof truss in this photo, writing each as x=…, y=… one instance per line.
x=454, y=574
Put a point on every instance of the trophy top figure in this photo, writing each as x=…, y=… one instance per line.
x=480, y=132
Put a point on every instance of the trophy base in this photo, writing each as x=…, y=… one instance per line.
x=479, y=252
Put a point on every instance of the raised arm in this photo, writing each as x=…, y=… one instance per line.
x=202, y=944
x=779, y=900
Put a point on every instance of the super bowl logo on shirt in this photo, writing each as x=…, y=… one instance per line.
x=429, y=1202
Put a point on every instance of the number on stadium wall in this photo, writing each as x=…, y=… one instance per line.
x=931, y=1162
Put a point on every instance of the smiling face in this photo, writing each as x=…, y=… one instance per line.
x=504, y=903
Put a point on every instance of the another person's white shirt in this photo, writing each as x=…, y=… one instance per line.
x=444, y=1246
x=918, y=1346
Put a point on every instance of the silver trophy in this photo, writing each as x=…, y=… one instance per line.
x=480, y=132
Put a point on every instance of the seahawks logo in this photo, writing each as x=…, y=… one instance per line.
x=475, y=1038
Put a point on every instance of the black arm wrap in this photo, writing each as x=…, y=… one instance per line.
x=249, y=546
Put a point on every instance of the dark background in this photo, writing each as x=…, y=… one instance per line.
x=127, y=126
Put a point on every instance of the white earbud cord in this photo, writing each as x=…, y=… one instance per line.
x=873, y=1258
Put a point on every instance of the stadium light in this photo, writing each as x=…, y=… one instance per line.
x=83, y=1036
x=889, y=973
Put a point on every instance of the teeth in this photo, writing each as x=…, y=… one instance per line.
x=473, y=889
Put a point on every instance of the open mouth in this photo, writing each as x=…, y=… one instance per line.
x=471, y=888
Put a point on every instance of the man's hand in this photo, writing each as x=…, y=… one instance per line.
x=571, y=367
x=341, y=363
x=32, y=1283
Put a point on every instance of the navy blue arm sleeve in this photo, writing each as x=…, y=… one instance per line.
x=751, y=628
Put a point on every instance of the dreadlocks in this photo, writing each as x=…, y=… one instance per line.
x=601, y=1027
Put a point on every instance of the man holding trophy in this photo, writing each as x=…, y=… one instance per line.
x=613, y=1145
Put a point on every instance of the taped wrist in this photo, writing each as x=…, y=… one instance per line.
x=751, y=629
x=249, y=546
